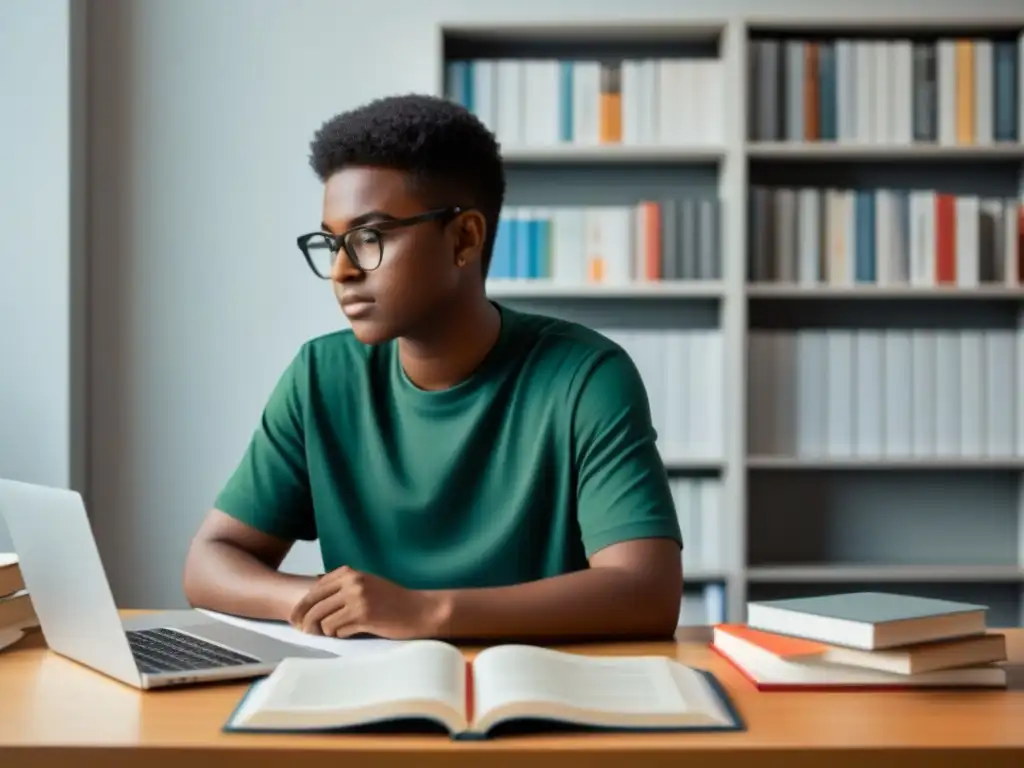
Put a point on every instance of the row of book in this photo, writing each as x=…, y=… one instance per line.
x=950, y=91
x=865, y=640
x=889, y=393
x=17, y=614
x=548, y=102
x=918, y=237
x=683, y=373
x=699, y=508
x=673, y=239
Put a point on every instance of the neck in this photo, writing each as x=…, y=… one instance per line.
x=453, y=346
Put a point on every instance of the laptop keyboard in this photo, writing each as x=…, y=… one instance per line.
x=168, y=650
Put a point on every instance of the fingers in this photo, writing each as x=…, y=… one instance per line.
x=342, y=623
x=324, y=586
x=311, y=622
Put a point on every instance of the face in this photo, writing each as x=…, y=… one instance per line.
x=424, y=266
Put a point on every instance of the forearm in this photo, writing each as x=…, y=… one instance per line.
x=222, y=577
x=597, y=602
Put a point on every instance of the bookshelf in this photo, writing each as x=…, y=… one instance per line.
x=781, y=350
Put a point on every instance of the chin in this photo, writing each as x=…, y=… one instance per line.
x=371, y=333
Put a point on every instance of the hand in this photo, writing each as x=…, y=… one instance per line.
x=347, y=602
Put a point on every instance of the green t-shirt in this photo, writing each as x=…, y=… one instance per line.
x=545, y=455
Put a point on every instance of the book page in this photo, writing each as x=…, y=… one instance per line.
x=637, y=690
x=319, y=691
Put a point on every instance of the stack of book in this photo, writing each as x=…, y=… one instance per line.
x=17, y=616
x=864, y=640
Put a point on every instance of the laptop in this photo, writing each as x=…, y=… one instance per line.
x=71, y=595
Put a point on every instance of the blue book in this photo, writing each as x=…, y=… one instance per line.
x=428, y=684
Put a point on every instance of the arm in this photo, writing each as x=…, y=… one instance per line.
x=630, y=530
x=264, y=507
x=231, y=567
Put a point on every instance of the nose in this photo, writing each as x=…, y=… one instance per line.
x=343, y=270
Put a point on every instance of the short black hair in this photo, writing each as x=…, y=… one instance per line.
x=450, y=154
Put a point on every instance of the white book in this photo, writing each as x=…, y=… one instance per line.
x=1019, y=380
x=1011, y=224
x=967, y=212
x=972, y=393
x=542, y=102
x=884, y=72
x=485, y=92
x=924, y=388
x=586, y=95
x=809, y=201
x=884, y=224
x=715, y=378
x=649, y=102
x=630, y=103
x=670, y=107
x=945, y=86
x=810, y=396
x=869, y=396
x=510, y=103
x=431, y=681
x=983, y=93
x=709, y=504
x=568, y=261
x=865, y=84
x=1002, y=401
x=698, y=385
x=840, y=416
x=947, y=393
x=713, y=101
x=903, y=86
x=846, y=125
x=676, y=394
x=898, y=400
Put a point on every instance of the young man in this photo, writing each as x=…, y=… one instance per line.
x=470, y=471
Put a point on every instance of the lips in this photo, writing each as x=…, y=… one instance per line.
x=356, y=304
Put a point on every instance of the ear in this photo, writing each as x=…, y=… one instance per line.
x=469, y=230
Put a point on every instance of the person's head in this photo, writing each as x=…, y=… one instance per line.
x=414, y=186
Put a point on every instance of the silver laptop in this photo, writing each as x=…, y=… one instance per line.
x=71, y=595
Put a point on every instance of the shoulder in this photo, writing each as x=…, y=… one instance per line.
x=574, y=358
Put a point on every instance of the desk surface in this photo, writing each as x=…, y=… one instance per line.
x=55, y=712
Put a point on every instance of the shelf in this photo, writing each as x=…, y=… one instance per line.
x=901, y=152
x=543, y=289
x=682, y=464
x=891, y=464
x=612, y=153
x=885, y=573
x=884, y=292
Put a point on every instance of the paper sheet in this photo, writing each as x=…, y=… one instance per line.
x=287, y=633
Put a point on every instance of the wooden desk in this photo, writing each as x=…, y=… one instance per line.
x=54, y=712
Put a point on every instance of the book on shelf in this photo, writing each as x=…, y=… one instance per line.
x=885, y=236
x=537, y=102
x=652, y=241
x=431, y=681
x=683, y=372
x=698, y=502
x=948, y=91
x=922, y=393
x=864, y=640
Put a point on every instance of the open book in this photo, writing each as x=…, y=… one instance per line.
x=428, y=680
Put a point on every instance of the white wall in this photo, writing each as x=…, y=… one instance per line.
x=41, y=246
x=200, y=117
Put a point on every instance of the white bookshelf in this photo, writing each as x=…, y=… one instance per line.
x=946, y=525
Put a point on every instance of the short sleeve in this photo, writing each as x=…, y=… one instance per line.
x=622, y=487
x=269, y=489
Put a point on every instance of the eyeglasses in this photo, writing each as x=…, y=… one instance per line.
x=364, y=244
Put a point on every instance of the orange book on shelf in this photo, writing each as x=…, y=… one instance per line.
x=812, y=131
x=964, y=92
x=610, y=104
